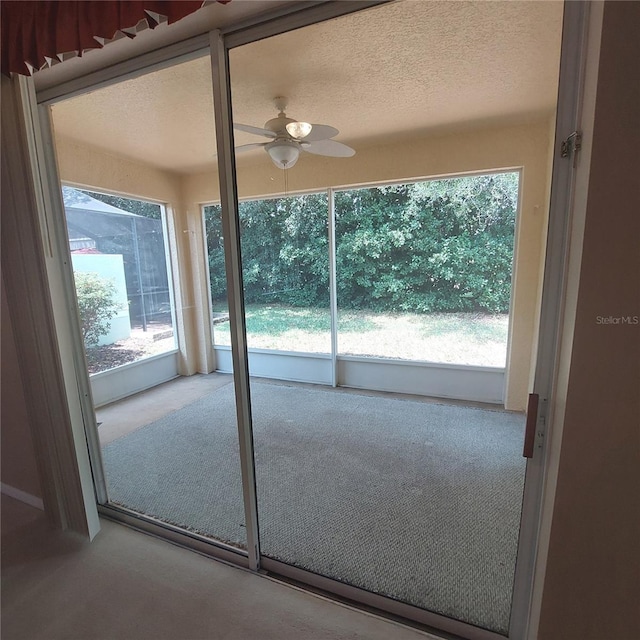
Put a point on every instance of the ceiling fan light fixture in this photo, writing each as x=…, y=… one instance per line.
x=283, y=153
x=299, y=129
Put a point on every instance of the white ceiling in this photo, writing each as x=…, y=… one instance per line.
x=409, y=68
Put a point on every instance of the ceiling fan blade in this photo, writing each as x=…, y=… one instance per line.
x=253, y=145
x=255, y=130
x=320, y=132
x=328, y=148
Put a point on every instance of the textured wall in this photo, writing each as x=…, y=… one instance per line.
x=593, y=569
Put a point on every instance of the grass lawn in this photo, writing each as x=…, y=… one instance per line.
x=456, y=338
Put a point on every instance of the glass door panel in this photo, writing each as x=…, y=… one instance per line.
x=401, y=496
x=169, y=443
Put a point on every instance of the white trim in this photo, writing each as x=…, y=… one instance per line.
x=22, y=496
x=133, y=68
x=514, y=266
x=290, y=18
x=128, y=379
x=431, y=379
x=186, y=539
x=333, y=285
x=68, y=451
x=166, y=212
x=233, y=266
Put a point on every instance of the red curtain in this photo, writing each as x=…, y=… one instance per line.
x=38, y=29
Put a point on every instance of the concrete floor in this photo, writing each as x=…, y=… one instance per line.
x=126, y=585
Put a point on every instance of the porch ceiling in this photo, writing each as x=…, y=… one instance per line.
x=407, y=69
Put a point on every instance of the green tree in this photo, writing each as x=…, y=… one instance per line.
x=438, y=245
x=441, y=245
x=97, y=305
x=284, y=247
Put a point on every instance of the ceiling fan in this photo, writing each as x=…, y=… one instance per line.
x=288, y=137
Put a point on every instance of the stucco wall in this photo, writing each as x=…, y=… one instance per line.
x=526, y=146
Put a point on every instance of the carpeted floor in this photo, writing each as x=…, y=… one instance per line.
x=417, y=501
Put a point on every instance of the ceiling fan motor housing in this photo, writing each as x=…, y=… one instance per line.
x=279, y=125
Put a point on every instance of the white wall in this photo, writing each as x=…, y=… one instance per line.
x=110, y=267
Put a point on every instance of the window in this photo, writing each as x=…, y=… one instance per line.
x=123, y=286
x=285, y=259
x=423, y=270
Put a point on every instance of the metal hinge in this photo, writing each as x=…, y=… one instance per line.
x=572, y=143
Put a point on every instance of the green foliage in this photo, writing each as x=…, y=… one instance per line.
x=440, y=245
x=97, y=305
x=284, y=245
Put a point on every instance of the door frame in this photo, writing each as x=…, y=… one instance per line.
x=574, y=49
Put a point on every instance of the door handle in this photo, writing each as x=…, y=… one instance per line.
x=530, y=429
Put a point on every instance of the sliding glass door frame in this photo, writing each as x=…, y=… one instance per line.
x=218, y=44
x=233, y=264
x=572, y=63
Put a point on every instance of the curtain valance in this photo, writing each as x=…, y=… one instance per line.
x=34, y=32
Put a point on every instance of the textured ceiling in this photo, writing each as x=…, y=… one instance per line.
x=404, y=69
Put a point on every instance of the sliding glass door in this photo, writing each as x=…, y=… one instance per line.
x=168, y=442
x=352, y=329
x=399, y=501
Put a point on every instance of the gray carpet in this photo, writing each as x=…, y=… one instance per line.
x=417, y=501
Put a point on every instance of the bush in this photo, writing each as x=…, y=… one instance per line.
x=96, y=304
x=438, y=245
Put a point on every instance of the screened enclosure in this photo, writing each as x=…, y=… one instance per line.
x=123, y=284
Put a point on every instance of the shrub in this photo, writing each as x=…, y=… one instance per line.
x=438, y=245
x=96, y=304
